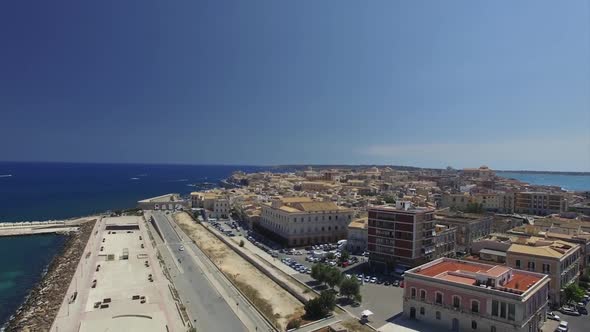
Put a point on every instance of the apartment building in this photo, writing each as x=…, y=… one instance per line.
x=358, y=235
x=560, y=260
x=300, y=221
x=400, y=237
x=539, y=203
x=470, y=227
x=445, y=241
x=468, y=296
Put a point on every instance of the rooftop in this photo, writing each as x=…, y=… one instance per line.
x=541, y=247
x=473, y=273
x=360, y=223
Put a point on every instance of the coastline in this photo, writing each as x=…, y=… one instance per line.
x=42, y=304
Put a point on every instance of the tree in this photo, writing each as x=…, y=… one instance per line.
x=319, y=273
x=241, y=243
x=333, y=277
x=389, y=199
x=573, y=293
x=350, y=287
x=344, y=256
x=320, y=306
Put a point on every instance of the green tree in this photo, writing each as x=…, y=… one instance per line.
x=319, y=272
x=320, y=306
x=389, y=199
x=241, y=243
x=333, y=277
x=350, y=287
x=344, y=256
x=358, y=298
x=573, y=293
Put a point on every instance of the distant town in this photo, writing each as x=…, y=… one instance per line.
x=329, y=249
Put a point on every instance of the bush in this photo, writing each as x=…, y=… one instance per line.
x=294, y=324
x=241, y=243
x=350, y=287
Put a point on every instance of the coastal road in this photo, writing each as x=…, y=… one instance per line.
x=193, y=277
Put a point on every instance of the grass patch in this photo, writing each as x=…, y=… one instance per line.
x=252, y=294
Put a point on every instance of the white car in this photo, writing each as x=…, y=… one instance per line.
x=563, y=326
x=181, y=248
x=553, y=316
x=373, y=280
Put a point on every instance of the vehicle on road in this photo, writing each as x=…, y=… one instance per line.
x=563, y=326
x=569, y=311
x=181, y=248
x=553, y=316
x=583, y=310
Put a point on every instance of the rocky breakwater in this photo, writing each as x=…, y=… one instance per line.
x=43, y=303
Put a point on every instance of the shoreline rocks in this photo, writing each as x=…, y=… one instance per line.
x=43, y=302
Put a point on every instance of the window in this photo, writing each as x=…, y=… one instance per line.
x=493, y=329
x=413, y=293
x=495, y=308
x=456, y=301
x=474, y=306
x=531, y=266
x=474, y=325
x=518, y=263
x=439, y=298
x=503, y=310
x=511, y=311
x=438, y=315
x=422, y=295
x=546, y=268
x=421, y=310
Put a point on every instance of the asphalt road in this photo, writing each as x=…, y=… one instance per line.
x=212, y=312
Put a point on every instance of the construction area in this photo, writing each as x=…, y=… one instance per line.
x=277, y=304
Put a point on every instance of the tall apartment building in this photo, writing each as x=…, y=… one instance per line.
x=560, y=260
x=539, y=203
x=300, y=221
x=467, y=296
x=470, y=227
x=400, y=237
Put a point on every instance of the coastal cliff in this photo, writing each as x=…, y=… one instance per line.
x=39, y=310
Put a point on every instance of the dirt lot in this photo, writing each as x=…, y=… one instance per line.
x=269, y=297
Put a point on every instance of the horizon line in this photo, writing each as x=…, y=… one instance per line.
x=268, y=165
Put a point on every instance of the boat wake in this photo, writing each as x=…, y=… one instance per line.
x=5, y=175
x=134, y=179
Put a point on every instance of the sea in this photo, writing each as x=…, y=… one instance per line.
x=45, y=191
x=566, y=181
x=49, y=191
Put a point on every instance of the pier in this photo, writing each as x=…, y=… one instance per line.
x=42, y=227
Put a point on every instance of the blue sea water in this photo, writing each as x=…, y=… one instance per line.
x=23, y=260
x=41, y=191
x=568, y=182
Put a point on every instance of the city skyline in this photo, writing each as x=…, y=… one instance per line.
x=422, y=84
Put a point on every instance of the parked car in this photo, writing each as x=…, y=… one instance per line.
x=373, y=280
x=569, y=311
x=583, y=310
x=395, y=283
x=387, y=283
x=553, y=316
x=563, y=326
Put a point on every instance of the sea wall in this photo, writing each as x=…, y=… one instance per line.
x=44, y=300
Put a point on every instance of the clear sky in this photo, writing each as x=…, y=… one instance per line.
x=422, y=83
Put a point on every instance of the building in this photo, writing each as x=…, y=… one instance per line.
x=164, y=202
x=445, y=241
x=483, y=173
x=300, y=221
x=215, y=204
x=470, y=227
x=400, y=237
x=357, y=235
x=558, y=259
x=468, y=296
x=539, y=203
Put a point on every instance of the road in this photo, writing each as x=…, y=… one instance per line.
x=204, y=303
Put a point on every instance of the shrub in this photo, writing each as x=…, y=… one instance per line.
x=294, y=324
x=241, y=243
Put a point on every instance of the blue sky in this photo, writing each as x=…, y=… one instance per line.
x=423, y=83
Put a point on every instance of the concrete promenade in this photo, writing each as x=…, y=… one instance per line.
x=42, y=227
